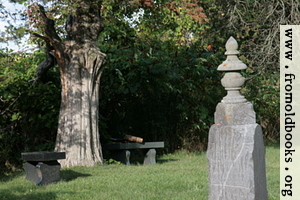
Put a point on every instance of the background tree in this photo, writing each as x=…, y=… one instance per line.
x=81, y=63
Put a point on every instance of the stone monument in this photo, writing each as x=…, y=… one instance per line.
x=236, y=152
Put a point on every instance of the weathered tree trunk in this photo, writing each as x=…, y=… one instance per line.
x=81, y=64
x=78, y=133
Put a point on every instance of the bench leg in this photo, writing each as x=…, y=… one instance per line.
x=150, y=157
x=42, y=173
x=122, y=156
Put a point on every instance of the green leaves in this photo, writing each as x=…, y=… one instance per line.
x=29, y=112
x=159, y=90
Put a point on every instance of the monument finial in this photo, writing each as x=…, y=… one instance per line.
x=232, y=63
x=232, y=80
x=231, y=47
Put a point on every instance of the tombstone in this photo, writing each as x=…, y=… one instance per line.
x=236, y=152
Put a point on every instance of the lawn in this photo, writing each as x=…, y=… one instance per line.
x=176, y=176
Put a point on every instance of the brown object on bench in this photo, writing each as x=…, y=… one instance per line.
x=131, y=138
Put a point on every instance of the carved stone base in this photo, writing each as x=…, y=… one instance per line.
x=42, y=173
x=124, y=156
x=236, y=157
x=120, y=151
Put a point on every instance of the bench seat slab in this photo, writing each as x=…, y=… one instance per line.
x=43, y=156
x=127, y=146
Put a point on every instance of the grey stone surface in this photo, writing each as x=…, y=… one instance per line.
x=32, y=173
x=236, y=157
x=235, y=114
x=43, y=156
x=150, y=157
x=42, y=173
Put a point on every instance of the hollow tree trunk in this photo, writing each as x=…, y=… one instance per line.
x=81, y=63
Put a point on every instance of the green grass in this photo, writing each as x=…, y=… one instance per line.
x=273, y=171
x=176, y=176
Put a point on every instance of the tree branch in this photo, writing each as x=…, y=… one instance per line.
x=50, y=61
x=56, y=43
x=49, y=26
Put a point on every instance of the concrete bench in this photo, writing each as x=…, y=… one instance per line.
x=42, y=167
x=120, y=151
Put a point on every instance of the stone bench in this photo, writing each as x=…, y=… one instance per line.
x=42, y=167
x=120, y=151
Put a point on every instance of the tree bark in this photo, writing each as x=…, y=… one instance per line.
x=81, y=64
x=78, y=133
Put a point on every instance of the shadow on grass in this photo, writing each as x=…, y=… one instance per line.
x=69, y=175
x=24, y=194
x=140, y=161
x=11, y=176
x=162, y=161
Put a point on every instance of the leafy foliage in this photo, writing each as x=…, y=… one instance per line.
x=159, y=84
x=28, y=112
